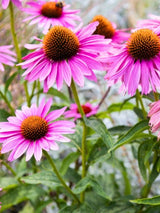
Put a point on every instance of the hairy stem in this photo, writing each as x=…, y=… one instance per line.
x=59, y=176
x=75, y=94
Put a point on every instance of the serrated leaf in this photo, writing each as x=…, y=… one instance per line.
x=20, y=194
x=72, y=157
x=99, y=127
x=135, y=130
x=55, y=92
x=148, y=201
x=45, y=177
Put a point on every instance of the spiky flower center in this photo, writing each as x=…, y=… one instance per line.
x=143, y=44
x=34, y=127
x=105, y=27
x=60, y=43
x=52, y=9
x=86, y=109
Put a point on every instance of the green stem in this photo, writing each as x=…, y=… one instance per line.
x=9, y=168
x=27, y=93
x=75, y=94
x=59, y=176
x=7, y=102
x=38, y=88
x=32, y=94
x=139, y=97
x=76, y=98
x=14, y=35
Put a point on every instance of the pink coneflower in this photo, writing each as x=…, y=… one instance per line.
x=152, y=23
x=5, y=3
x=51, y=13
x=137, y=63
x=154, y=115
x=6, y=56
x=64, y=54
x=32, y=130
x=109, y=30
x=88, y=109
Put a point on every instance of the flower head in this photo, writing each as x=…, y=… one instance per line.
x=32, y=130
x=5, y=3
x=108, y=29
x=51, y=13
x=6, y=56
x=137, y=63
x=88, y=109
x=154, y=115
x=64, y=54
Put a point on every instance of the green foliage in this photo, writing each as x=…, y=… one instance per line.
x=3, y=115
x=128, y=137
x=154, y=201
x=47, y=178
x=19, y=194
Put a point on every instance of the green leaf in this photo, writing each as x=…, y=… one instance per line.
x=8, y=182
x=120, y=106
x=88, y=182
x=83, y=208
x=138, y=112
x=41, y=205
x=119, y=130
x=98, y=152
x=135, y=130
x=20, y=194
x=76, y=138
x=72, y=175
x=99, y=127
x=45, y=177
x=3, y=115
x=72, y=157
x=144, y=152
x=9, y=81
x=27, y=208
x=153, y=175
x=54, y=92
x=148, y=201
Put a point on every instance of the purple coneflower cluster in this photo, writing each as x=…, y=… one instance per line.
x=66, y=53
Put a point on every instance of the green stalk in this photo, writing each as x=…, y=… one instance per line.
x=59, y=176
x=7, y=102
x=38, y=88
x=75, y=94
x=139, y=97
x=32, y=94
x=9, y=168
x=14, y=35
